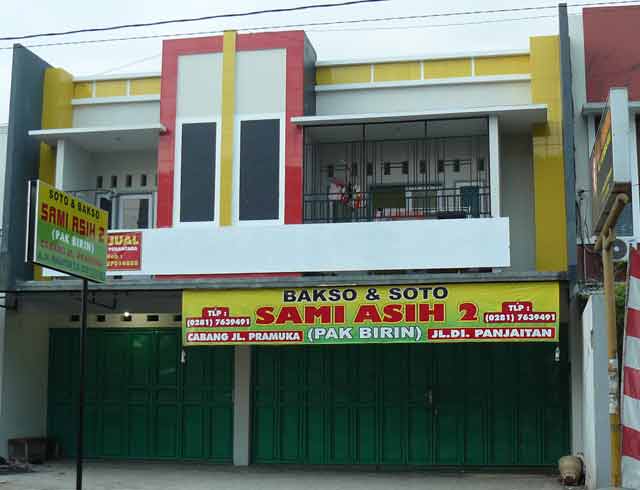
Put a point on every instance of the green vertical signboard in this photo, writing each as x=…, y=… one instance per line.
x=68, y=234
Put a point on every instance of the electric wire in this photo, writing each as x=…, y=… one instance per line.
x=276, y=27
x=190, y=19
x=337, y=22
x=273, y=27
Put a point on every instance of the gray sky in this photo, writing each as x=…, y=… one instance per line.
x=397, y=38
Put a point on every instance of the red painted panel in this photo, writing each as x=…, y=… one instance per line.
x=171, y=49
x=293, y=42
x=612, y=53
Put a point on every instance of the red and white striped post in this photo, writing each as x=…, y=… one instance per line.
x=631, y=377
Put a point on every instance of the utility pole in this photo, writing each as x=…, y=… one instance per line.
x=604, y=242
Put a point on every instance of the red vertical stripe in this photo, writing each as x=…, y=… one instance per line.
x=171, y=50
x=634, y=262
x=293, y=42
x=630, y=442
x=633, y=323
x=632, y=382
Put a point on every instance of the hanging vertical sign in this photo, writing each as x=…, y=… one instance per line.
x=66, y=233
x=609, y=160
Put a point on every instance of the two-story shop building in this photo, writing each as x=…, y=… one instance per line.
x=412, y=209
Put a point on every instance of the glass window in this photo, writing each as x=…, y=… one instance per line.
x=259, y=169
x=135, y=212
x=197, y=172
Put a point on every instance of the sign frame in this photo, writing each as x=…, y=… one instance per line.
x=89, y=231
x=609, y=158
x=401, y=313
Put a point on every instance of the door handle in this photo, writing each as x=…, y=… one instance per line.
x=429, y=397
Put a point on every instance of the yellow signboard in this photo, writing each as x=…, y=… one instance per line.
x=486, y=312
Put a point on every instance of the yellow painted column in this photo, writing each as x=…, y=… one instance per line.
x=57, y=112
x=548, y=161
x=228, y=121
x=57, y=92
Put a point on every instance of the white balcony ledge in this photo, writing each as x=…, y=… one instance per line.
x=104, y=138
x=382, y=246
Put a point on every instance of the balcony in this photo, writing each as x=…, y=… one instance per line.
x=113, y=168
x=397, y=171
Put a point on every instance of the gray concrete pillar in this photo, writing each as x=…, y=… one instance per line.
x=242, y=406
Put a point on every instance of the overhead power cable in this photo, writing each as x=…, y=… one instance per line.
x=428, y=26
x=190, y=19
x=337, y=22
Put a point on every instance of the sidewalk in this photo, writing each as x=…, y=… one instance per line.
x=194, y=476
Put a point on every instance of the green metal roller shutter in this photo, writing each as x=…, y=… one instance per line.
x=500, y=405
x=142, y=402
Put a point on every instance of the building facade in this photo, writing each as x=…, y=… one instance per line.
x=603, y=57
x=247, y=171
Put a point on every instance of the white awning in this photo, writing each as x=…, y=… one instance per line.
x=105, y=138
x=512, y=118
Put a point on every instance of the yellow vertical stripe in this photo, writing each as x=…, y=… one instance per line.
x=502, y=65
x=57, y=92
x=228, y=116
x=548, y=161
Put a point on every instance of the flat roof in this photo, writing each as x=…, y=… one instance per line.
x=104, y=138
x=514, y=116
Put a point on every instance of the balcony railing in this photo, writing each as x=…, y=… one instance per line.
x=398, y=202
x=127, y=210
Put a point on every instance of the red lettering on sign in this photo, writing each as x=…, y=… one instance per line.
x=393, y=313
x=338, y=314
x=367, y=313
x=264, y=315
x=288, y=314
x=469, y=312
x=427, y=311
x=313, y=312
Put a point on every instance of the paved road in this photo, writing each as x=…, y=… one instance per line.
x=191, y=476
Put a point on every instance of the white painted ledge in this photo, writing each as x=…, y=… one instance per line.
x=384, y=245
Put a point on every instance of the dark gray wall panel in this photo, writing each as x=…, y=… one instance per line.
x=309, y=78
x=197, y=172
x=23, y=161
x=259, y=169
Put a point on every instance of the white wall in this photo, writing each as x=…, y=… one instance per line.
x=123, y=163
x=116, y=114
x=424, y=98
x=77, y=169
x=516, y=189
x=260, y=82
x=199, y=86
x=73, y=169
x=379, y=245
x=25, y=358
x=596, y=435
x=472, y=147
